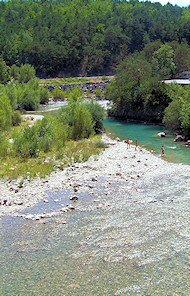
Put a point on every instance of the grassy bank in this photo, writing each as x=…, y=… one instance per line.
x=74, y=151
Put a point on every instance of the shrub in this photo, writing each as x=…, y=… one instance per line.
x=4, y=145
x=99, y=93
x=60, y=131
x=5, y=112
x=14, y=72
x=16, y=118
x=100, y=144
x=26, y=73
x=44, y=95
x=26, y=143
x=58, y=94
x=97, y=113
x=44, y=133
x=4, y=72
x=75, y=94
x=29, y=99
x=78, y=119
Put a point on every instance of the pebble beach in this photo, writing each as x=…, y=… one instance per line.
x=136, y=168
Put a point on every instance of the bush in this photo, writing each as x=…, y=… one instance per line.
x=99, y=93
x=4, y=145
x=15, y=72
x=16, y=118
x=26, y=73
x=44, y=132
x=75, y=94
x=100, y=144
x=44, y=95
x=13, y=92
x=26, y=143
x=60, y=131
x=29, y=99
x=4, y=72
x=5, y=112
x=78, y=119
x=82, y=126
x=58, y=94
x=97, y=113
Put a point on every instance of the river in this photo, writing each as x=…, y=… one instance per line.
x=147, y=137
x=116, y=251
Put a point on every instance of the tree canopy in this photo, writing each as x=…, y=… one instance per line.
x=64, y=37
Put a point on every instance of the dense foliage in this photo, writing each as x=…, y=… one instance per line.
x=139, y=93
x=85, y=36
x=76, y=121
x=73, y=122
x=177, y=114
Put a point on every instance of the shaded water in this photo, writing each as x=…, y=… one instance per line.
x=125, y=242
x=146, y=134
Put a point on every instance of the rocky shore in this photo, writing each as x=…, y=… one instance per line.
x=135, y=168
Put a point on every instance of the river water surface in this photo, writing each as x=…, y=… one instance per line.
x=147, y=137
x=129, y=247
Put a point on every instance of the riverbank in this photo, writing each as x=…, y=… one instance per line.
x=135, y=169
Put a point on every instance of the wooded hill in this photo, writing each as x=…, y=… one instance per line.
x=72, y=37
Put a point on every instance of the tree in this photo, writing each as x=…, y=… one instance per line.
x=29, y=98
x=78, y=119
x=5, y=112
x=182, y=57
x=97, y=113
x=126, y=90
x=4, y=72
x=177, y=114
x=26, y=73
x=14, y=72
x=163, y=62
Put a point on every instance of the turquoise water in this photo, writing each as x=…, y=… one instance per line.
x=147, y=137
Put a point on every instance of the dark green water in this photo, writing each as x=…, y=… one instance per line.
x=147, y=137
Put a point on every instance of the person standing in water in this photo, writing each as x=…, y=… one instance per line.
x=162, y=151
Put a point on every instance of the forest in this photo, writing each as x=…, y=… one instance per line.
x=84, y=37
x=140, y=93
x=140, y=42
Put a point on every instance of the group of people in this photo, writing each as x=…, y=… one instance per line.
x=128, y=142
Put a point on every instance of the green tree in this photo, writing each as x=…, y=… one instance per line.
x=75, y=94
x=26, y=73
x=29, y=98
x=78, y=119
x=44, y=130
x=15, y=72
x=163, y=62
x=4, y=72
x=5, y=112
x=44, y=95
x=26, y=143
x=177, y=114
x=58, y=94
x=97, y=113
